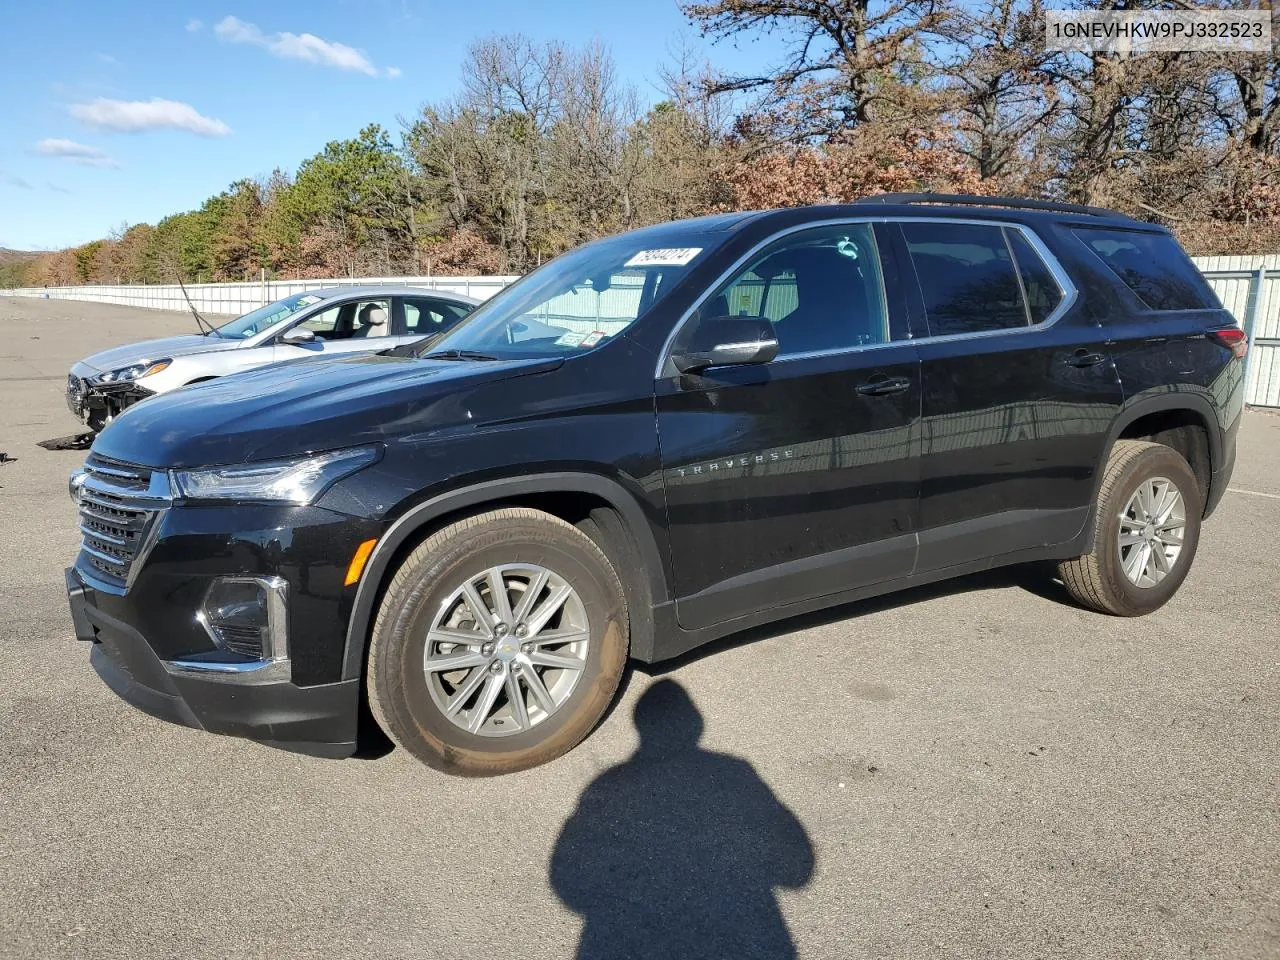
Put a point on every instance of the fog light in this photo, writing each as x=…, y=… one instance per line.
x=247, y=616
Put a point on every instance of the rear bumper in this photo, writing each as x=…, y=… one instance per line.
x=259, y=705
x=1222, y=476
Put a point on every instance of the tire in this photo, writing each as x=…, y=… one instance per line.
x=411, y=703
x=1098, y=580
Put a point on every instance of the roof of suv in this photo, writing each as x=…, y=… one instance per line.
x=944, y=206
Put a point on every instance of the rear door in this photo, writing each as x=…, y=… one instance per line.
x=797, y=478
x=1017, y=393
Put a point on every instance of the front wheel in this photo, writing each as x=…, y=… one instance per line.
x=1146, y=529
x=499, y=643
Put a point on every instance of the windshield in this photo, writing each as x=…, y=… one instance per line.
x=258, y=320
x=579, y=300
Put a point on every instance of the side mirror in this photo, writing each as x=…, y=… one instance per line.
x=298, y=336
x=727, y=341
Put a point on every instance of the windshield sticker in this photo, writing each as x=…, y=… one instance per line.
x=308, y=300
x=571, y=340
x=592, y=338
x=668, y=257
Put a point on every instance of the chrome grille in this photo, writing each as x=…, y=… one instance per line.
x=118, y=506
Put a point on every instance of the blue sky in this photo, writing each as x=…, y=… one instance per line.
x=127, y=111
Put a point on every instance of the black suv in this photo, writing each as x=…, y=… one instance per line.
x=653, y=441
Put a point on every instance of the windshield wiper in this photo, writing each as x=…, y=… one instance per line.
x=458, y=355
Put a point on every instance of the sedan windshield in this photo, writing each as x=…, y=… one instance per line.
x=253, y=323
x=577, y=301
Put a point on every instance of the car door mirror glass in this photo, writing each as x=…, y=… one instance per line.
x=727, y=341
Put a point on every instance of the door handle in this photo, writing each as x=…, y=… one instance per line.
x=883, y=386
x=1085, y=358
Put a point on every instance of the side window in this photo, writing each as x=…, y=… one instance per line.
x=323, y=324
x=1153, y=266
x=967, y=276
x=821, y=289
x=425, y=317
x=370, y=318
x=1038, y=283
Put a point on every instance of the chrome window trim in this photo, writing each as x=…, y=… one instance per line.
x=840, y=351
x=1069, y=292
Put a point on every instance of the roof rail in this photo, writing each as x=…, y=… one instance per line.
x=971, y=200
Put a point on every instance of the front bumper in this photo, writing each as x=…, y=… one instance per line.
x=98, y=404
x=258, y=704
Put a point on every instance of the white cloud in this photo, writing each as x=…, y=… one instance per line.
x=55, y=187
x=108, y=59
x=18, y=182
x=296, y=46
x=393, y=72
x=85, y=156
x=235, y=30
x=195, y=26
x=133, y=116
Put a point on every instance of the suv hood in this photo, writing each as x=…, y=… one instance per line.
x=171, y=347
x=300, y=407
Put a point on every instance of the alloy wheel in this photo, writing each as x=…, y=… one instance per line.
x=506, y=649
x=1152, y=526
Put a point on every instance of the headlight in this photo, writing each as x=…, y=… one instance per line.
x=297, y=481
x=135, y=371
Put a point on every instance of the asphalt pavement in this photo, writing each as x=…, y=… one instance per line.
x=976, y=769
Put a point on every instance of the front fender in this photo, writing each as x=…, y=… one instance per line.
x=413, y=522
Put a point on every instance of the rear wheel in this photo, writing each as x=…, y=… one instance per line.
x=499, y=643
x=1146, y=530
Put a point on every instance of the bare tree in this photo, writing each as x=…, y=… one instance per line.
x=590, y=179
x=1002, y=85
x=850, y=62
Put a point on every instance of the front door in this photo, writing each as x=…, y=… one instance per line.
x=353, y=326
x=798, y=478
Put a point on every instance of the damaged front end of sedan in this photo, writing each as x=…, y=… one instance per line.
x=97, y=397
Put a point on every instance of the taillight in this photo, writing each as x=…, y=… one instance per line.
x=1233, y=338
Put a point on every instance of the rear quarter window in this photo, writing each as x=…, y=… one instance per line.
x=1153, y=266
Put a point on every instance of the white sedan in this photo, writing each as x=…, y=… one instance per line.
x=325, y=322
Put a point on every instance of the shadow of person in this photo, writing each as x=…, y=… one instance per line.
x=675, y=853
